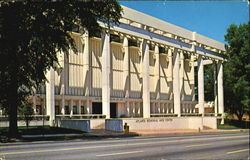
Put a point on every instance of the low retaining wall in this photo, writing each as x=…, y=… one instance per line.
x=157, y=123
x=141, y=123
x=114, y=125
x=210, y=122
x=22, y=123
x=82, y=125
x=161, y=123
x=97, y=124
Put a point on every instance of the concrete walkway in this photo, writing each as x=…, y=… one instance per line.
x=104, y=133
x=169, y=131
x=184, y=131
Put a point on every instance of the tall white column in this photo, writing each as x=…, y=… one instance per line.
x=126, y=73
x=191, y=79
x=215, y=90
x=87, y=71
x=106, y=74
x=126, y=67
x=182, y=75
x=170, y=72
x=176, y=84
x=62, y=61
x=86, y=66
x=170, y=65
x=220, y=91
x=201, y=85
x=157, y=72
x=145, y=80
x=50, y=96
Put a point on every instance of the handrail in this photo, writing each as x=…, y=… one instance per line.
x=81, y=116
x=63, y=115
x=163, y=115
x=20, y=118
x=191, y=114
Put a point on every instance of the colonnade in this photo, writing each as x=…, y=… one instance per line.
x=176, y=69
x=176, y=57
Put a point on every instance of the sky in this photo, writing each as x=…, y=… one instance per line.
x=209, y=18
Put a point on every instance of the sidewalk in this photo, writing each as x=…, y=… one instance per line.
x=101, y=133
x=105, y=133
x=186, y=131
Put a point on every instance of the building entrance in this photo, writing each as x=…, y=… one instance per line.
x=97, y=108
x=113, y=110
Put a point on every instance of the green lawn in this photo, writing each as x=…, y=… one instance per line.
x=226, y=126
x=36, y=130
x=234, y=124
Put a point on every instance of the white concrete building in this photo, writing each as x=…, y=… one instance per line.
x=144, y=67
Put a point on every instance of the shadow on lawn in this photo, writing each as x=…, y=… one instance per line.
x=234, y=124
x=45, y=132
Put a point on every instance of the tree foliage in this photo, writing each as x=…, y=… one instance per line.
x=26, y=111
x=237, y=70
x=32, y=33
x=209, y=82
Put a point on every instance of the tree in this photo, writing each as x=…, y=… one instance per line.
x=32, y=33
x=26, y=112
x=209, y=82
x=237, y=70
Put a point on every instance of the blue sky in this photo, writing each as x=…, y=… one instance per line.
x=209, y=18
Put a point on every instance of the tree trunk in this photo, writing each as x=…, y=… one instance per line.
x=13, y=130
x=13, y=104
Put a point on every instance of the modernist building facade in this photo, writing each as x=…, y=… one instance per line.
x=144, y=67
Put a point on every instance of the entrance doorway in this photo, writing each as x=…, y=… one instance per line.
x=113, y=110
x=97, y=108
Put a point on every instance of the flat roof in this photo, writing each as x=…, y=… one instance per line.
x=164, y=26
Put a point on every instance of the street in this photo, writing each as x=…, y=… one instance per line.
x=192, y=146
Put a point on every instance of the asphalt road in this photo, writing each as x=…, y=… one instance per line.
x=197, y=146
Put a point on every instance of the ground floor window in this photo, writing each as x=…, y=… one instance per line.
x=57, y=109
x=113, y=110
x=67, y=110
x=39, y=110
x=82, y=110
x=97, y=108
x=74, y=109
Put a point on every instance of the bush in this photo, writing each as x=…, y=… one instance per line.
x=26, y=112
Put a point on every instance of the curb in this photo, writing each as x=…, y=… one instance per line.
x=27, y=138
x=201, y=132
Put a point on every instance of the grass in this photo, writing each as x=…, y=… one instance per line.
x=234, y=124
x=226, y=126
x=37, y=130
